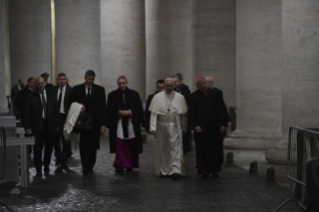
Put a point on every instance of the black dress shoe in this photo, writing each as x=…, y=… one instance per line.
x=85, y=171
x=46, y=169
x=215, y=174
x=119, y=170
x=70, y=154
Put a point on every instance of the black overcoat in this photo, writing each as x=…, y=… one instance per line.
x=20, y=100
x=134, y=103
x=208, y=113
x=95, y=105
x=32, y=115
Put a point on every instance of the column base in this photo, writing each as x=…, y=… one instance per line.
x=247, y=147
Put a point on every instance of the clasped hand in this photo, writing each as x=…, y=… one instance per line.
x=125, y=113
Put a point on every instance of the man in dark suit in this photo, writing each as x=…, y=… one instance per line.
x=22, y=95
x=60, y=95
x=93, y=98
x=14, y=92
x=184, y=90
x=159, y=88
x=41, y=116
x=49, y=86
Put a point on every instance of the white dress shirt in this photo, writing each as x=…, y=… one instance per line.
x=62, y=98
x=86, y=89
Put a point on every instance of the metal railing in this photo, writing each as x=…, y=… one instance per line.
x=3, y=164
x=303, y=145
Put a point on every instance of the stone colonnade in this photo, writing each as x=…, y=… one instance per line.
x=277, y=74
x=263, y=55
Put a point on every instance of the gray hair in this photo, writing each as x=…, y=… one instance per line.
x=89, y=73
x=169, y=79
x=178, y=77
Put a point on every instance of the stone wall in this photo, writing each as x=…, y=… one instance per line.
x=30, y=38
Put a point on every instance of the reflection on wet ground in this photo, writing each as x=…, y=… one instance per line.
x=142, y=190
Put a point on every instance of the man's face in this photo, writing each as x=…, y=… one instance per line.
x=169, y=86
x=160, y=87
x=122, y=84
x=41, y=83
x=89, y=80
x=62, y=81
x=177, y=82
x=202, y=86
x=209, y=82
x=21, y=82
x=32, y=84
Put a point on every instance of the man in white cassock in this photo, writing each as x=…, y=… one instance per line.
x=168, y=116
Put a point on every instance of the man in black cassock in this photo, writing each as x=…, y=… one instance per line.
x=93, y=98
x=159, y=88
x=125, y=115
x=208, y=119
x=209, y=84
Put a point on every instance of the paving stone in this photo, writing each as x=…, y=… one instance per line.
x=141, y=190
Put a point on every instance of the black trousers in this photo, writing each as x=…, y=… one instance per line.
x=43, y=138
x=88, y=149
x=62, y=156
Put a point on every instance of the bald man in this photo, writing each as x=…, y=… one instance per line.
x=41, y=117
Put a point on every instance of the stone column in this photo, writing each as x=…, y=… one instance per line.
x=214, y=43
x=258, y=80
x=78, y=46
x=3, y=56
x=300, y=78
x=123, y=43
x=168, y=41
x=30, y=38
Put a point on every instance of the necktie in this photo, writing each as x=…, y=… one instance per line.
x=60, y=97
x=89, y=91
x=44, y=103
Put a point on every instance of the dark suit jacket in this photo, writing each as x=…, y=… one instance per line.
x=54, y=97
x=49, y=87
x=14, y=93
x=95, y=105
x=184, y=90
x=147, y=112
x=33, y=112
x=20, y=99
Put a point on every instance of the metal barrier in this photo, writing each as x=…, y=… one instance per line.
x=3, y=164
x=303, y=144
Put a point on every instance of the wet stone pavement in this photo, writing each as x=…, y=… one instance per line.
x=141, y=190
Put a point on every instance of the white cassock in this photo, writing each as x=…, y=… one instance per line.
x=168, y=113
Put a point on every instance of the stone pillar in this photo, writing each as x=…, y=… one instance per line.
x=123, y=43
x=3, y=56
x=168, y=41
x=214, y=43
x=78, y=46
x=300, y=78
x=258, y=83
x=30, y=38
